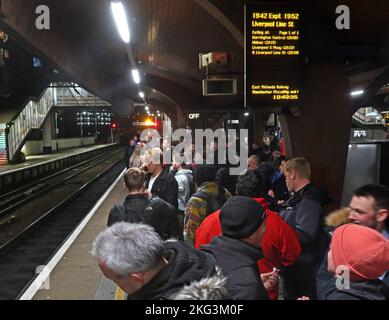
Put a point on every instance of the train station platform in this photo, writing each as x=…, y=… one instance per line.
x=73, y=273
x=44, y=158
x=39, y=166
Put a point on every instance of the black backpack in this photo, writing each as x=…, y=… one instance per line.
x=213, y=203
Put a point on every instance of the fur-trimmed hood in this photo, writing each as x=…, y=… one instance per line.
x=338, y=217
x=209, y=288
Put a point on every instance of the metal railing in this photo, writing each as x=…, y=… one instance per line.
x=34, y=114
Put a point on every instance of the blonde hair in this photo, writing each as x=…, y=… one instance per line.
x=300, y=165
x=134, y=179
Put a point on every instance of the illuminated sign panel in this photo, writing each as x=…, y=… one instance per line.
x=273, y=55
x=194, y=116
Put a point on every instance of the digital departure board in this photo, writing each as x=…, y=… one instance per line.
x=273, y=55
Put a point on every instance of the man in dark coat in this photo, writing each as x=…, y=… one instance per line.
x=238, y=250
x=160, y=182
x=137, y=207
x=137, y=260
x=304, y=213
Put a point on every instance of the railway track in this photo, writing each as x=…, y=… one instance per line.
x=36, y=240
x=13, y=199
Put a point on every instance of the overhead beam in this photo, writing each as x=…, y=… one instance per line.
x=223, y=20
x=371, y=90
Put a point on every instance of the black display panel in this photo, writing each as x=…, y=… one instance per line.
x=273, y=55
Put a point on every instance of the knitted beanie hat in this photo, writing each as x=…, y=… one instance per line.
x=240, y=217
x=363, y=250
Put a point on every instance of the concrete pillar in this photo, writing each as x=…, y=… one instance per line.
x=321, y=133
x=47, y=134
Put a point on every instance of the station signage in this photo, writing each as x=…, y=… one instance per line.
x=272, y=54
x=193, y=116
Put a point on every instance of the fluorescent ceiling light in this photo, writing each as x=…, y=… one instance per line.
x=357, y=93
x=135, y=75
x=141, y=94
x=121, y=20
x=147, y=108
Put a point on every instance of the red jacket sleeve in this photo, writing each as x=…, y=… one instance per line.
x=208, y=229
x=289, y=244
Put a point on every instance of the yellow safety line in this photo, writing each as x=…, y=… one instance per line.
x=120, y=294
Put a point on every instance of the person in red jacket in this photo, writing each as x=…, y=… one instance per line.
x=280, y=244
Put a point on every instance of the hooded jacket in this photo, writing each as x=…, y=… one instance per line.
x=238, y=261
x=209, y=288
x=184, y=179
x=279, y=244
x=185, y=265
x=158, y=213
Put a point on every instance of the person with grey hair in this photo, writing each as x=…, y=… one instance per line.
x=141, y=264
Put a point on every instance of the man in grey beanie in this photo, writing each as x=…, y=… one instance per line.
x=238, y=249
